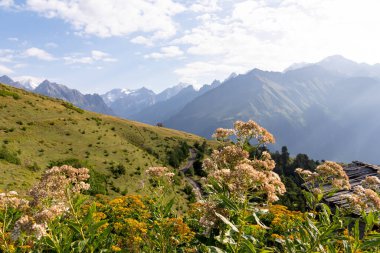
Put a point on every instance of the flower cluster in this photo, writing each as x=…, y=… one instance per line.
x=228, y=157
x=160, y=180
x=50, y=199
x=326, y=173
x=222, y=134
x=28, y=225
x=371, y=182
x=180, y=233
x=282, y=218
x=128, y=216
x=12, y=200
x=245, y=131
x=232, y=168
x=159, y=172
x=57, y=181
x=331, y=170
x=365, y=197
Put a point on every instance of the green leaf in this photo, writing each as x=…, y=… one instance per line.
x=230, y=204
x=168, y=207
x=73, y=226
x=97, y=225
x=259, y=222
x=89, y=217
x=227, y=222
x=79, y=201
x=248, y=247
x=371, y=241
x=82, y=244
x=214, y=249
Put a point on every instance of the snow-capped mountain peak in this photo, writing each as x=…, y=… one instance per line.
x=29, y=82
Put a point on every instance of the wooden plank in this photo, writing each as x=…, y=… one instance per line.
x=356, y=172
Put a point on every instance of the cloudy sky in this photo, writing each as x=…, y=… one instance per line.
x=96, y=45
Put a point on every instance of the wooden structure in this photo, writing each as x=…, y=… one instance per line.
x=356, y=172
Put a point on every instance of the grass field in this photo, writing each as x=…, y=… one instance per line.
x=37, y=130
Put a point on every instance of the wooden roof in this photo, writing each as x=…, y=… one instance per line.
x=356, y=172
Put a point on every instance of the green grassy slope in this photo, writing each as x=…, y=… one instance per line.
x=40, y=129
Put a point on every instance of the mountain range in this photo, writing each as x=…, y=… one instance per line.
x=91, y=102
x=327, y=109
x=140, y=104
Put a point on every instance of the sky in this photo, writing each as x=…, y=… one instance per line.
x=97, y=45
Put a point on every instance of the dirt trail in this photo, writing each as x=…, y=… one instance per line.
x=196, y=186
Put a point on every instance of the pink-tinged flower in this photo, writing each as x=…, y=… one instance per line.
x=326, y=173
x=222, y=134
x=156, y=171
x=11, y=199
x=232, y=168
x=250, y=129
x=362, y=199
x=57, y=181
x=27, y=224
x=160, y=174
x=51, y=197
x=371, y=182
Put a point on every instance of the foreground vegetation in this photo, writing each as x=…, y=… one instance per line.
x=238, y=214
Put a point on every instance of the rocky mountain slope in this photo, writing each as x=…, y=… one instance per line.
x=328, y=110
x=91, y=102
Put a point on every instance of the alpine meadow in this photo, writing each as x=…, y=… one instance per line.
x=208, y=126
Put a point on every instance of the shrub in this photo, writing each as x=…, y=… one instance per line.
x=72, y=107
x=74, y=162
x=8, y=156
x=33, y=167
x=117, y=170
x=178, y=154
x=5, y=93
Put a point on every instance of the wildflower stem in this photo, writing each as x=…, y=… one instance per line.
x=3, y=229
x=75, y=215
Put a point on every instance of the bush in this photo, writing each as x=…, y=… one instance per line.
x=72, y=107
x=33, y=167
x=8, y=156
x=117, y=170
x=198, y=170
x=178, y=154
x=5, y=93
x=98, y=183
x=74, y=162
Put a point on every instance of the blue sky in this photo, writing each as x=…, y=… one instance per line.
x=97, y=45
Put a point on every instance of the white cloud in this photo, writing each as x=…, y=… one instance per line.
x=166, y=52
x=7, y=55
x=274, y=34
x=20, y=65
x=142, y=40
x=95, y=56
x=38, y=53
x=5, y=70
x=205, y=6
x=113, y=17
x=101, y=56
x=51, y=45
x=6, y=3
x=198, y=71
x=13, y=39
